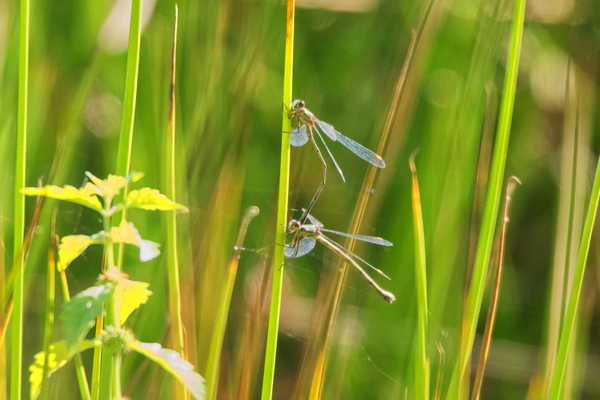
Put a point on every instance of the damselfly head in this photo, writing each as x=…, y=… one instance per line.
x=293, y=226
x=298, y=104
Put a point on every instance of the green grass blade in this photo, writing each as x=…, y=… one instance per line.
x=282, y=206
x=173, y=263
x=212, y=370
x=20, y=165
x=513, y=181
x=421, y=359
x=49, y=322
x=129, y=101
x=566, y=336
x=490, y=215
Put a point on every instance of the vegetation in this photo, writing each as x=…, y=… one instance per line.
x=484, y=91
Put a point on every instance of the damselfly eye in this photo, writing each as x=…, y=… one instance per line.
x=297, y=104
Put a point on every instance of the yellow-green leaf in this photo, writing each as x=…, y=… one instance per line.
x=127, y=233
x=86, y=196
x=114, y=183
x=172, y=362
x=130, y=294
x=57, y=358
x=151, y=199
x=72, y=246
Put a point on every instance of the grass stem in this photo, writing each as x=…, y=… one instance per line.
x=282, y=206
x=173, y=263
x=129, y=101
x=492, y=203
x=50, y=293
x=421, y=358
x=19, y=224
x=566, y=336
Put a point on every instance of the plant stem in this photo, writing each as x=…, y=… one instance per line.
x=129, y=100
x=50, y=285
x=20, y=165
x=110, y=372
x=491, y=319
x=421, y=359
x=284, y=175
x=173, y=263
x=569, y=323
x=216, y=344
x=490, y=215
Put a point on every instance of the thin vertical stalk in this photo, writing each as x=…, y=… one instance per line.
x=20, y=165
x=110, y=372
x=284, y=175
x=173, y=264
x=131, y=81
x=212, y=369
x=489, y=326
x=421, y=360
x=566, y=335
x=3, y=369
x=50, y=292
x=492, y=203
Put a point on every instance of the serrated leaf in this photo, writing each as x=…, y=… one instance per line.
x=126, y=232
x=72, y=246
x=130, y=295
x=80, y=313
x=114, y=183
x=86, y=196
x=172, y=362
x=57, y=358
x=151, y=199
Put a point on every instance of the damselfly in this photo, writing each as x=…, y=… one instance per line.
x=306, y=235
x=298, y=137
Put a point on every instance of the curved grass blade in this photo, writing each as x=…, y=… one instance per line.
x=421, y=357
x=489, y=326
x=492, y=203
x=214, y=357
x=566, y=336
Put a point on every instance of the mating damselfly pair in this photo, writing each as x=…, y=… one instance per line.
x=306, y=235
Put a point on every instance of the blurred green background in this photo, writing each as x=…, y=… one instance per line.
x=348, y=59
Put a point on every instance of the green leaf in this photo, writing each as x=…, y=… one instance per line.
x=80, y=313
x=127, y=233
x=57, y=358
x=86, y=196
x=130, y=295
x=151, y=199
x=72, y=246
x=172, y=362
x=114, y=183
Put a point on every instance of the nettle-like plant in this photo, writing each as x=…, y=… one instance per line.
x=114, y=296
